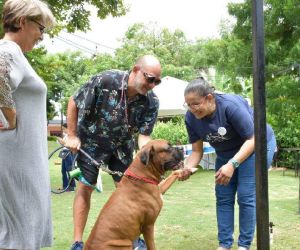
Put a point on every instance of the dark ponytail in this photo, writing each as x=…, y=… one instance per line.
x=200, y=87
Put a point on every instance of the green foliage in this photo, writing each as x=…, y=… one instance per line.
x=282, y=49
x=72, y=70
x=75, y=14
x=283, y=108
x=63, y=73
x=39, y=60
x=173, y=131
x=186, y=73
x=104, y=62
x=172, y=49
x=230, y=56
x=282, y=33
x=52, y=138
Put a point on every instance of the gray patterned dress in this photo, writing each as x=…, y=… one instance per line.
x=25, y=212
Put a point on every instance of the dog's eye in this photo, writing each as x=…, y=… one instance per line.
x=169, y=149
x=164, y=150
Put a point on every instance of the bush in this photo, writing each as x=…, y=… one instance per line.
x=52, y=138
x=288, y=137
x=172, y=130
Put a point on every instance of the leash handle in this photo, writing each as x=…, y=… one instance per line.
x=83, y=152
x=75, y=173
x=99, y=165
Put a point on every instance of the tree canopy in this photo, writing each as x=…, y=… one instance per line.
x=74, y=14
x=230, y=56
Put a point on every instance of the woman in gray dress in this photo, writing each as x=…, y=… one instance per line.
x=25, y=212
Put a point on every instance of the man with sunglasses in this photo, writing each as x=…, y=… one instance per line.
x=103, y=117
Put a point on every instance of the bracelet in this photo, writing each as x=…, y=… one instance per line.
x=234, y=163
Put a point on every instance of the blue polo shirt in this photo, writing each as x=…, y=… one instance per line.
x=227, y=128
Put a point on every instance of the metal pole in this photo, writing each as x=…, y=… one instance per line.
x=297, y=173
x=262, y=199
x=298, y=170
x=299, y=193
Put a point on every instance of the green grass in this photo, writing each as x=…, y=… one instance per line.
x=187, y=220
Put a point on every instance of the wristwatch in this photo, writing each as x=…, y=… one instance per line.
x=234, y=162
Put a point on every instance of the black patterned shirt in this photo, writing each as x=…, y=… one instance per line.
x=107, y=120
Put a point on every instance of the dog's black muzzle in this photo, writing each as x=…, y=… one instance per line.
x=177, y=159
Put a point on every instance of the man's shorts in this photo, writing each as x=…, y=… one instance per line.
x=90, y=171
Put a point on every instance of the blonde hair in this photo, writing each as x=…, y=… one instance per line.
x=37, y=10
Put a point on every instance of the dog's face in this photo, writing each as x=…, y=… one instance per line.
x=161, y=154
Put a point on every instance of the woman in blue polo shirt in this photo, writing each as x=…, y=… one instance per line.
x=226, y=122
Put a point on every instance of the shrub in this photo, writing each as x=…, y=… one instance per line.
x=52, y=138
x=172, y=130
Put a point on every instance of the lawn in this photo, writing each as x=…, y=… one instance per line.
x=187, y=220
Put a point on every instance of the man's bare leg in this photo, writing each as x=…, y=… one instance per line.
x=81, y=208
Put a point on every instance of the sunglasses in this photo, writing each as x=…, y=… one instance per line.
x=41, y=27
x=151, y=79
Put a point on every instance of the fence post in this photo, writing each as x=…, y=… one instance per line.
x=262, y=199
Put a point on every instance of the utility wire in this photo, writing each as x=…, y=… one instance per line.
x=76, y=45
x=73, y=45
x=84, y=38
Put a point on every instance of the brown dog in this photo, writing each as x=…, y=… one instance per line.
x=134, y=206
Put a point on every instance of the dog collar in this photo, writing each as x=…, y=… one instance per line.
x=132, y=175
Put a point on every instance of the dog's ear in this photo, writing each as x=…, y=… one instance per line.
x=146, y=154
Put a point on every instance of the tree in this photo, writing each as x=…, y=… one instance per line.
x=282, y=49
x=66, y=72
x=44, y=68
x=172, y=49
x=62, y=72
x=74, y=15
x=282, y=31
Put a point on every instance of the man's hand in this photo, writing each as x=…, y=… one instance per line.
x=224, y=174
x=71, y=142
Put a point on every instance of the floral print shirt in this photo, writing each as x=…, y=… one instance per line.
x=107, y=120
